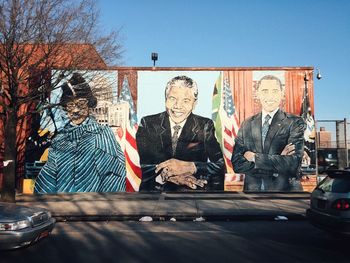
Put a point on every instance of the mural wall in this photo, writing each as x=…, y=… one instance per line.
x=174, y=130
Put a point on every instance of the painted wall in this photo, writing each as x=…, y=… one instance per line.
x=124, y=142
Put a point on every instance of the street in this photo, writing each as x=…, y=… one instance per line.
x=238, y=241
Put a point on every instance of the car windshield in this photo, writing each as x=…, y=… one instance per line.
x=335, y=184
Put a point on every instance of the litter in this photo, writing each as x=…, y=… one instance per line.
x=146, y=219
x=281, y=218
x=199, y=219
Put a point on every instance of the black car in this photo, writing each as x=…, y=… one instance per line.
x=327, y=160
x=330, y=203
x=21, y=226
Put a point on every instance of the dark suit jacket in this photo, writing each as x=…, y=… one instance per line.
x=285, y=128
x=197, y=143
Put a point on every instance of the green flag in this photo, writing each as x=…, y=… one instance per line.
x=216, y=101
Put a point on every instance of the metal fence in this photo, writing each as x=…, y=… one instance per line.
x=333, y=142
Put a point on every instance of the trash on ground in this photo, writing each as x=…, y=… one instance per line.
x=281, y=218
x=146, y=219
x=199, y=219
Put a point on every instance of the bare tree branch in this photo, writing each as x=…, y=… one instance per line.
x=37, y=37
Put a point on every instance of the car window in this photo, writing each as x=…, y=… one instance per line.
x=335, y=185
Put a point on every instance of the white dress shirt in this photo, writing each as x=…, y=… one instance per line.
x=172, y=124
x=159, y=178
x=264, y=113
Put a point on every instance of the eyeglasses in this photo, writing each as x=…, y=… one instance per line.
x=80, y=104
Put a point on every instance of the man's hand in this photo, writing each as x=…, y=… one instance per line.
x=289, y=149
x=174, y=167
x=180, y=173
x=187, y=180
x=250, y=156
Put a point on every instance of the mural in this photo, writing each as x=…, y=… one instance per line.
x=269, y=146
x=178, y=149
x=199, y=130
x=84, y=156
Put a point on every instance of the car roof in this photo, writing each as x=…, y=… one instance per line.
x=339, y=173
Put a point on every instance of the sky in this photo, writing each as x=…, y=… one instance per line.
x=241, y=33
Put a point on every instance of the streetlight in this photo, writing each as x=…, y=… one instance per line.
x=318, y=76
x=154, y=57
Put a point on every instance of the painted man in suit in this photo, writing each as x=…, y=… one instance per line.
x=269, y=145
x=178, y=149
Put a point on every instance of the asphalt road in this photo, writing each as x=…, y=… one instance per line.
x=248, y=241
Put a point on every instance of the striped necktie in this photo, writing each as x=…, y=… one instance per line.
x=175, y=137
x=265, y=128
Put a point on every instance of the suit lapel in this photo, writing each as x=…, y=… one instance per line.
x=274, y=127
x=256, y=132
x=187, y=135
x=165, y=134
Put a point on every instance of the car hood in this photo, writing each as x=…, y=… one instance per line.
x=12, y=212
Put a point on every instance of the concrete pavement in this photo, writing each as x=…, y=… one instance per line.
x=164, y=206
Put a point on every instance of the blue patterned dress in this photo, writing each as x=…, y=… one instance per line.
x=84, y=158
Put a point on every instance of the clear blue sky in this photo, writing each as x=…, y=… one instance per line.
x=239, y=33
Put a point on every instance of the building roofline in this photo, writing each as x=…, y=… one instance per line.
x=287, y=68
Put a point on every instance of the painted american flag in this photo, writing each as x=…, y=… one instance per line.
x=225, y=119
x=132, y=159
x=306, y=114
x=310, y=131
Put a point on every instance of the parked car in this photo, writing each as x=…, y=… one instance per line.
x=327, y=160
x=330, y=203
x=22, y=226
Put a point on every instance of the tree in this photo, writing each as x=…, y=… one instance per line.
x=37, y=36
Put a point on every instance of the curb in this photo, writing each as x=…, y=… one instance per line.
x=180, y=218
x=216, y=206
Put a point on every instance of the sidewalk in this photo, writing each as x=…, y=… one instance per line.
x=163, y=206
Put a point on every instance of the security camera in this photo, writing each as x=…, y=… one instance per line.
x=318, y=76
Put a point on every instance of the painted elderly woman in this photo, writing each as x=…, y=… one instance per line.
x=84, y=156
